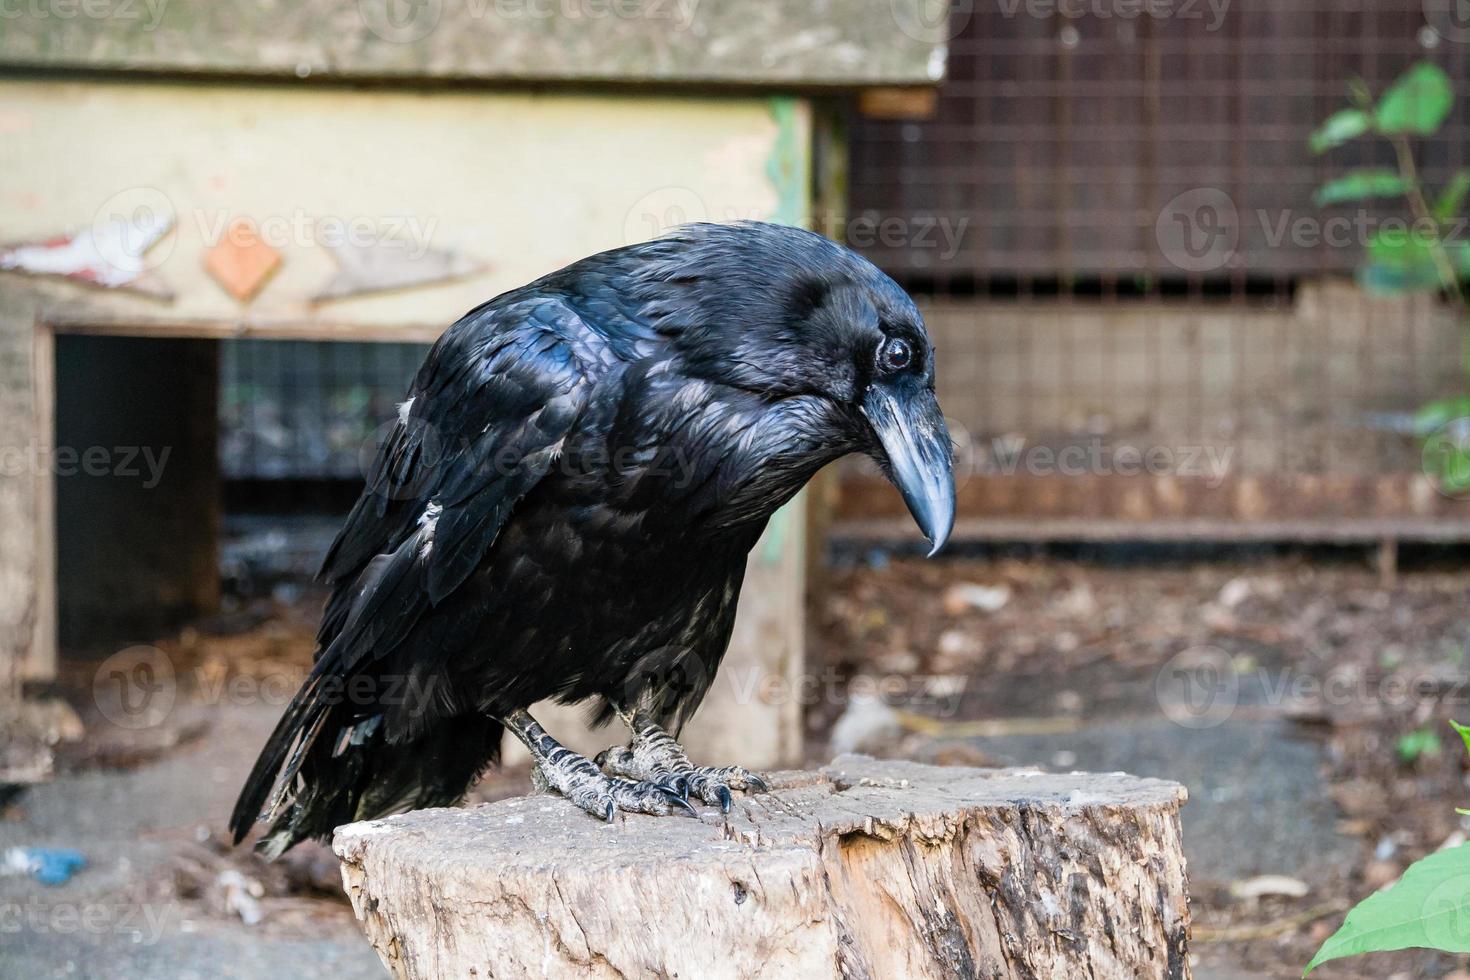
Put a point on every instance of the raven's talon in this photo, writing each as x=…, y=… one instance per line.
x=678, y=786
x=736, y=778
x=683, y=804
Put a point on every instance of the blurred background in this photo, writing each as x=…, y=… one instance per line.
x=1208, y=388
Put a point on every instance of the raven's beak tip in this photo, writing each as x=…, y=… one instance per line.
x=940, y=535
x=916, y=442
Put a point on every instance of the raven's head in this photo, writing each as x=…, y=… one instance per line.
x=786, y=313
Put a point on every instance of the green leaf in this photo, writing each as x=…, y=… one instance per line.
x=1464, y=731
x=1414, y=745
x=1459, y=253
x=1399, y=261
x=1449, y=460
x=1426, y=421
x=1382, y=280
x=1341, y=126
x=1429, y=907
x=1359, y=92
x=1359, y=185
x=1417, y=103
x=1453, y=196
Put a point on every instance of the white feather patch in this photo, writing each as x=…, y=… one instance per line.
x=428, y=522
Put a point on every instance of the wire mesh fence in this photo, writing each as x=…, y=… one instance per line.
x=1110, y=220
x=302, y=410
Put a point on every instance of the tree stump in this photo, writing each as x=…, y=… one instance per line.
x=864, y=869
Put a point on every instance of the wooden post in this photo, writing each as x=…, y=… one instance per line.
x=864, y=869
x=24, y=755
x=1387, y=562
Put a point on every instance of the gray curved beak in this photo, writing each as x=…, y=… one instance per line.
x=911, y=429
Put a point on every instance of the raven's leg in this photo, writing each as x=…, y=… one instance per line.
x=559, y=768
x=655, y=755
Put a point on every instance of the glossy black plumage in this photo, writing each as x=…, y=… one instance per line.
x=565, y=506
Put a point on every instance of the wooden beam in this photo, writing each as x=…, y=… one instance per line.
x=421, y=333
x=782, y=44
x=898, y=103
x=40, y=661
x=1329, y=531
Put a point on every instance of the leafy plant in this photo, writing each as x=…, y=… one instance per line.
x=1429, y=907
x=1412, y=746
x=1424, y=256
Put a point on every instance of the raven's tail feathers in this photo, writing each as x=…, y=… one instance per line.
x=339, y=773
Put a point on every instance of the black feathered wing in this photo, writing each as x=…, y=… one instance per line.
x=486, y=419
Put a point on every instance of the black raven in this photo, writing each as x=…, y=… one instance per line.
x=564, y=509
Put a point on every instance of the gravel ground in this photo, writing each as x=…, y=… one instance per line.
x=1284, y=693
x=1287, y=695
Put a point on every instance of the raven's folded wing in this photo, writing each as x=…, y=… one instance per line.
x=486, y=419
x=487, y=416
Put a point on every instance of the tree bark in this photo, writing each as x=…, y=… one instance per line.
x=864, y=869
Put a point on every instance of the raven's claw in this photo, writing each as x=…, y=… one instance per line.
x=656, y=757
x=560, y=770
x=683, y=804
x=678, y=786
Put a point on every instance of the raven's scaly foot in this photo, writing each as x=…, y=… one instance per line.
x=656, y=757
x=559, y=769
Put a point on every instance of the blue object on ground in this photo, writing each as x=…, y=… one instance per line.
x=52, y=865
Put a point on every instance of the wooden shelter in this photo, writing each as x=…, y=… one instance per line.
x=361, y=170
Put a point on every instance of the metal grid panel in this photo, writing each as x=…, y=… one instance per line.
x=1128, y=254
x=1060, y=140
x=308, y=410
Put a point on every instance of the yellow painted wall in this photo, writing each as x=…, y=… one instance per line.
x=522, y=182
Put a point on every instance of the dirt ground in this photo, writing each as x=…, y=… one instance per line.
x=1302, y=702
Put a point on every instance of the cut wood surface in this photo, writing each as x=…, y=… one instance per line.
x=865, y=868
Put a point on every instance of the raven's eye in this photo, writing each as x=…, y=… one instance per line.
x=895, y=354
